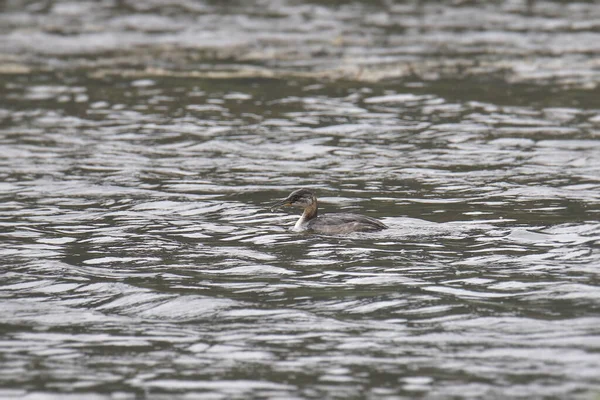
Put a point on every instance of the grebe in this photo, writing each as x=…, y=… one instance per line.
x=337, y=223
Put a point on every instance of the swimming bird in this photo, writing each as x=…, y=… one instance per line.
x=336, y=223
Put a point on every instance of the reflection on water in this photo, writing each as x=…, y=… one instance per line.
x=139, y=257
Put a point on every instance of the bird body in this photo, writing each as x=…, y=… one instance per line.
x=335, y=223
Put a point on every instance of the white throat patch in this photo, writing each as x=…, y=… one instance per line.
x=300, y=224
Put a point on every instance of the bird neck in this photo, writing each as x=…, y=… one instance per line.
x=309, y=213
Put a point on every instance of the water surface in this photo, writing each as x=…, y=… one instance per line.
x=141, y=145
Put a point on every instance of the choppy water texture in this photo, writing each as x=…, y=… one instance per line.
x=140, y=146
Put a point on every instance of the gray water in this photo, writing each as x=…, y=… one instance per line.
x=141, y=144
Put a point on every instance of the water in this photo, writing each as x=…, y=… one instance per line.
x=141, y=145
